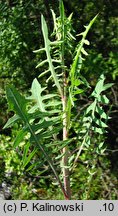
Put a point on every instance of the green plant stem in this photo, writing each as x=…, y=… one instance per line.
x=66, y=175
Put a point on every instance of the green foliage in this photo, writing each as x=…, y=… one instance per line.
x=18, y=104
x=75, y=77
x=94, y=119
x=98, y=181
x=44, y=116
x=47, y=50
x=12, y=170
x=15, y=44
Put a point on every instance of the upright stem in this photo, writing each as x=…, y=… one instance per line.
x=66, y=176
x=65, y=169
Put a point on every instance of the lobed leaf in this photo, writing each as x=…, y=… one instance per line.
x=99, y=87
x=18, y=104
x=47, y=48
x=36, y=94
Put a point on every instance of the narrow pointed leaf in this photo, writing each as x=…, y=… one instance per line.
x=43, y=73
x=11, y=121
x=41, y=63
x=48, y=96
x=25, y=152
x=84, y=51
x=106, y=86
x=17, y=102
x=19, y=138
x=103, y=99
x=100, y=123
x=101, y=112
x=39, y=50
x=28, y=158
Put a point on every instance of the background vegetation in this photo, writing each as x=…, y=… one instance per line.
x=20, y=35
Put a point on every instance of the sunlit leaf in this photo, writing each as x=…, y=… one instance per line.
x=103, y=99
x=11, y=121
x=101, y=112
x=19, y=138
x=100, y=123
